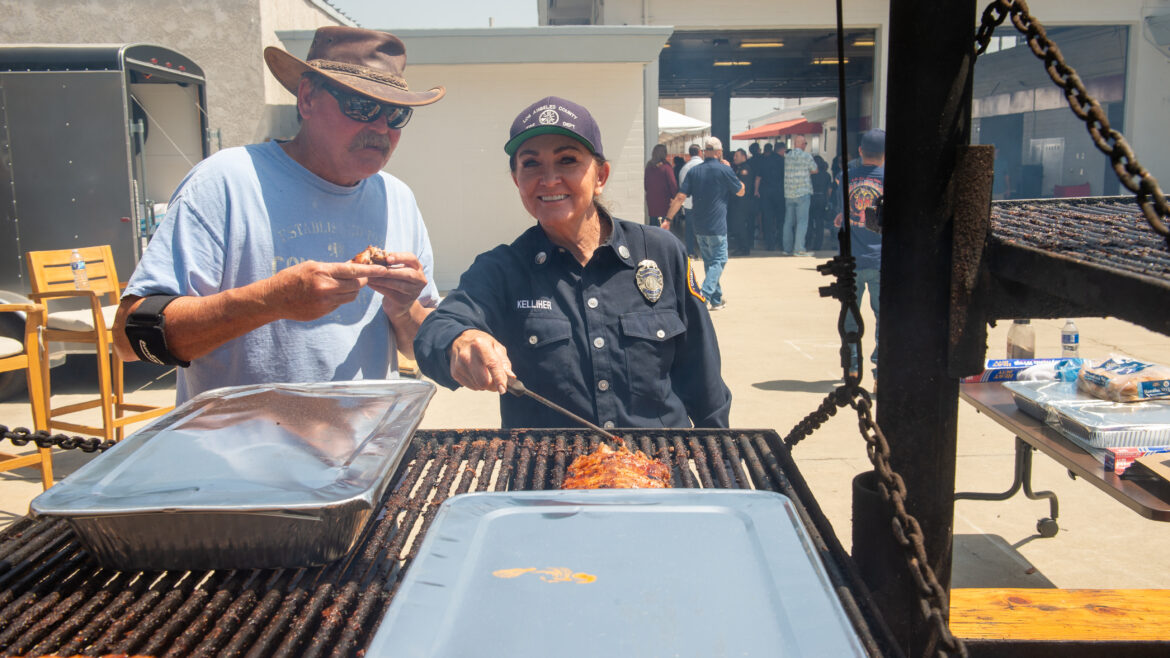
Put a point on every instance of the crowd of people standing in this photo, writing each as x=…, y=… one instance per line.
x=781, y=210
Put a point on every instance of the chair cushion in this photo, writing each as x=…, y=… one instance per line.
x=10, y=346
x=81, y=319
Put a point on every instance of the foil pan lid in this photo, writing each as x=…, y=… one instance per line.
x=255, y=447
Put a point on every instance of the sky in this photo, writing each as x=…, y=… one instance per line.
x=415, y=14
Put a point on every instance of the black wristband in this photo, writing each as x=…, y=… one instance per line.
x=144, y=330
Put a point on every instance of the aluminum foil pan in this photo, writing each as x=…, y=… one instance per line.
x=1035, y=397
x=1095, y=422
x=259, y=476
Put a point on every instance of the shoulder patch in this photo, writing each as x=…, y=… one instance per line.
x=692, y=284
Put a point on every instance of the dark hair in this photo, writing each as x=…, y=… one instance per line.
x=768, y=148
x=754, y=148
x=694, y=149
x=657, y=155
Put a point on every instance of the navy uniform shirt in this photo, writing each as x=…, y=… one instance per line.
x=586, y=337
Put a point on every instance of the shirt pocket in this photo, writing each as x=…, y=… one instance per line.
x=542, y=331
x=550, y=362
x=648, y=338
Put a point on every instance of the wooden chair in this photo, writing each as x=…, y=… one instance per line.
x=51, y=278
x=25, y=353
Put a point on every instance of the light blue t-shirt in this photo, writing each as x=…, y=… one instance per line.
x=247, y=212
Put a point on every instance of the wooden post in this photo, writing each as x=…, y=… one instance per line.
x=928, y=122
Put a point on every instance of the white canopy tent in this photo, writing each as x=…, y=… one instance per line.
x=678, y=130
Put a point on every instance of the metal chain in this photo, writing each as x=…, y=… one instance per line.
x=22, y=436
x=1109, y=141
x=933, y=597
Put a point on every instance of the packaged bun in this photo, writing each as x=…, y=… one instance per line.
x=1122, y=379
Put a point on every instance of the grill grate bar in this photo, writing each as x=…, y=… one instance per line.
x=193, y=640
x=279, y=624
x=56, y=601
x=35, y=603
x=105, y=616
x=14, y=604
x=139, y=621
x=71, y=622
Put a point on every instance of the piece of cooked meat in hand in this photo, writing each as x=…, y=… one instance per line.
x=372, y=255
x=607, y=468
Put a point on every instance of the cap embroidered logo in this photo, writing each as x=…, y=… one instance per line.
x=549, y=117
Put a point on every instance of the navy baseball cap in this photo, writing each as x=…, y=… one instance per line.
x=553, y=115
x=873, y=142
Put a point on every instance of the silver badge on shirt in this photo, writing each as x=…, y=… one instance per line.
x=649, y=280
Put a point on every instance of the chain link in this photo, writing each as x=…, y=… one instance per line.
x=22, y=436
x=1112, y=143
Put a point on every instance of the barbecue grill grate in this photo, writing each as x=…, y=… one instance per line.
x=54, y=599
x=1107, y=231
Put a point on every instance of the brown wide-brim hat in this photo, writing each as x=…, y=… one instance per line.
x=363, y=61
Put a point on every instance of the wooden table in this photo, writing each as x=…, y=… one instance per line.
x=1149, y=498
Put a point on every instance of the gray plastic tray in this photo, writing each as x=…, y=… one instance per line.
x=280, y=475
x=676, y=572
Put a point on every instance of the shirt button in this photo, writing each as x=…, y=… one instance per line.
x=541, y=257
x=661, y=334
x=532, y=340
x=599, y=342
x=623, y=252
x=603, y=385
x=591, y=302
x=608, y=425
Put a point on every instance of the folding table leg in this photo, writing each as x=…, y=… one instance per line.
x=1047, y=527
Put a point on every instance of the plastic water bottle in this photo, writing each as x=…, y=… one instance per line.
x=1021, y=340
x=77, y=264
x=1070, y=341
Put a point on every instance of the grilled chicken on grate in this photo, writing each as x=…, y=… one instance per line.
x=607, y=468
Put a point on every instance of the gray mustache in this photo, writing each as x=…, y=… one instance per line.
x=375, y=140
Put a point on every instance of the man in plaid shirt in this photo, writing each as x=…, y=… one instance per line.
x=798, y=169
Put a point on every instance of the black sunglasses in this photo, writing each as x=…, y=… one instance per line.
x=360, y=108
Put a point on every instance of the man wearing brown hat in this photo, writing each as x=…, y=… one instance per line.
x=248, y=278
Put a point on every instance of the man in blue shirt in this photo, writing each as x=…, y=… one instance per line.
x=711, y=185
x=250, y=264
x=866, y=187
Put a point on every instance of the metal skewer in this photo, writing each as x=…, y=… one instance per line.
x=515, y=387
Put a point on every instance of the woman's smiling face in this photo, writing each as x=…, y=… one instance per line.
x=558, y=178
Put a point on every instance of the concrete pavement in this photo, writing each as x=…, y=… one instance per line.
x=779, y=347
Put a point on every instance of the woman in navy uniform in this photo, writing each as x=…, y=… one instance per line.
x=599, y=315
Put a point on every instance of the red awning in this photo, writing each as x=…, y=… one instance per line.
x=790, y=127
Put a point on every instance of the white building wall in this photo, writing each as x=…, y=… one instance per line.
x=452, y=153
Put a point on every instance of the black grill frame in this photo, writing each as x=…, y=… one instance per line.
x=55, y=599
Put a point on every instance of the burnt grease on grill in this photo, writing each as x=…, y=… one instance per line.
x=1108, y=231
x=54, y=599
